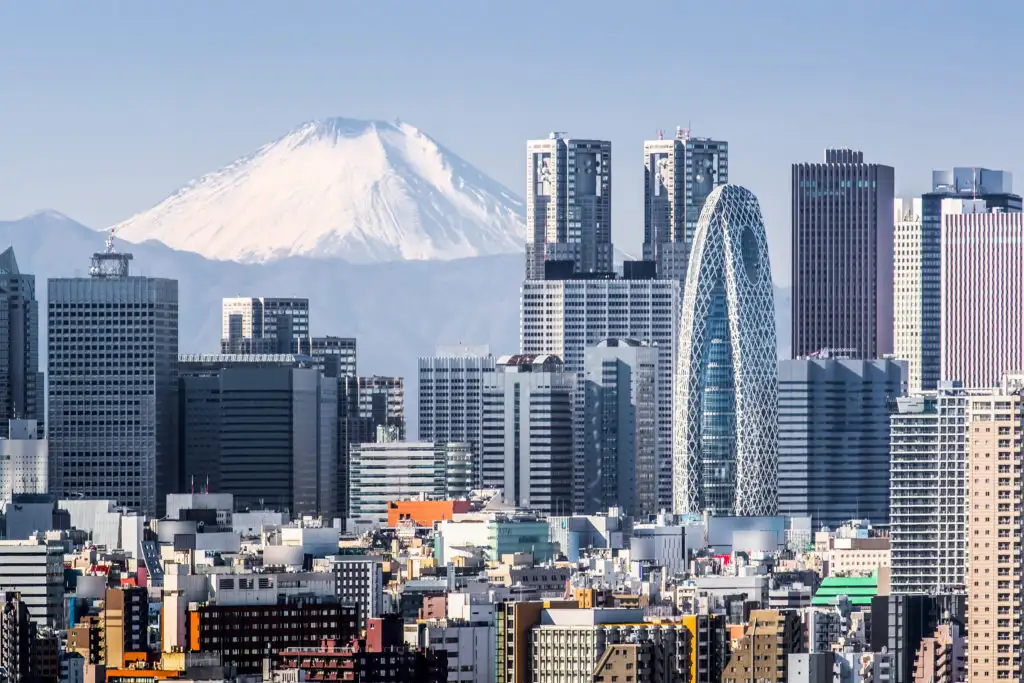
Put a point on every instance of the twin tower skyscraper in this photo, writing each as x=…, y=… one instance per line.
x=705, y=241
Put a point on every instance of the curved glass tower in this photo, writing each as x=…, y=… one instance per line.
x=726, y=429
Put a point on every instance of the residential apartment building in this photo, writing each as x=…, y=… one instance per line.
x=928, y=491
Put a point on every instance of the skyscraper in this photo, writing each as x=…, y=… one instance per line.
x=834, y=438
x=265, y=325
x=568, y=204
x=679, y=174
x=928, y=491
x=113, y=405
x=565, y=317
x=918, y=263
x=982, y=300
x=21, y=391
x=450, y=385
x=620, y=427
x=726, y=386
x=527, y=447
x=842, y=256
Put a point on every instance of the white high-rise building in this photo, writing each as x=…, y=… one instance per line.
x=35, y=568
x=928, y=491
x=982, y=298
x=568, y=204
x=24, y=461
x=113, y=386
x=450, y=384
x=265, y=325
x=909, y=286
x=393, y=470
x=565, y=317
x=679, y=174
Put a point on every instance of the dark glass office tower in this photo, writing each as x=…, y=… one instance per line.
x=842, y=256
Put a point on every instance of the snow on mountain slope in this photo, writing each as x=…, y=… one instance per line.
x=362, y=191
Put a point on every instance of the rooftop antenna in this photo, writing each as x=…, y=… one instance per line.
x=974, y=183
x=661, y=135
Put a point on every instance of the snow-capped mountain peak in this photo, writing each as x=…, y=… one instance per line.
x=363, y=191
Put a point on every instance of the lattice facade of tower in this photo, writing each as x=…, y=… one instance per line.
x=726, y=413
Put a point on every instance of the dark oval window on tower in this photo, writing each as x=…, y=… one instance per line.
x=751, y=253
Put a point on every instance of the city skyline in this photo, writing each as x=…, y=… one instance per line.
x=144, y=108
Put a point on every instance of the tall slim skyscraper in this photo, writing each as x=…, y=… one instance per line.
x=928, y=491
x=568, y=204
x=726, y=389
x=834, y=438
x=620, y=412
x=679, y=174
x=527, y=433
x=21, y=391
x=842, y=256
x=982, y=299
x=565, y=317
x=112, y=342
x=918, y=263
x=265, y=325
x=450, y=385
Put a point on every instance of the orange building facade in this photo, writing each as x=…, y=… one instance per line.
x=424, y=513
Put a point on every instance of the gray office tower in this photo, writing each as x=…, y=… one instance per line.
x=620, y=427
x=264, y=325
x=335, y=356
x=842, y=250
x=679, y=174
x=918, y=267
x=834, y=438
x=527, y=433
x=262, y=428
x=21, y=385
x=450, y=385
x=112, y=341
x=568, y=205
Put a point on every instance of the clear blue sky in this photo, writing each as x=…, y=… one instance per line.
x=106, y=108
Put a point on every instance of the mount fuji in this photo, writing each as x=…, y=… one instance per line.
x=360, y=191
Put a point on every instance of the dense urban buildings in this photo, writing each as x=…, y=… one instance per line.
x=262, y=427
x=568, y=204
x=928, y=491
x=526, y=433
x=112, y=377
x=265, y=325
x=566, y=316
x=21, y=383
x=449, y=390
x=842, y=250
x=982, y=301
x=679, y=174
x=995, y=582
x=834, y=437
x=620, y=427
x=725, y=385
x=918, y=263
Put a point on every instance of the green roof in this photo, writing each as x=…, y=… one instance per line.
x=859, y=589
